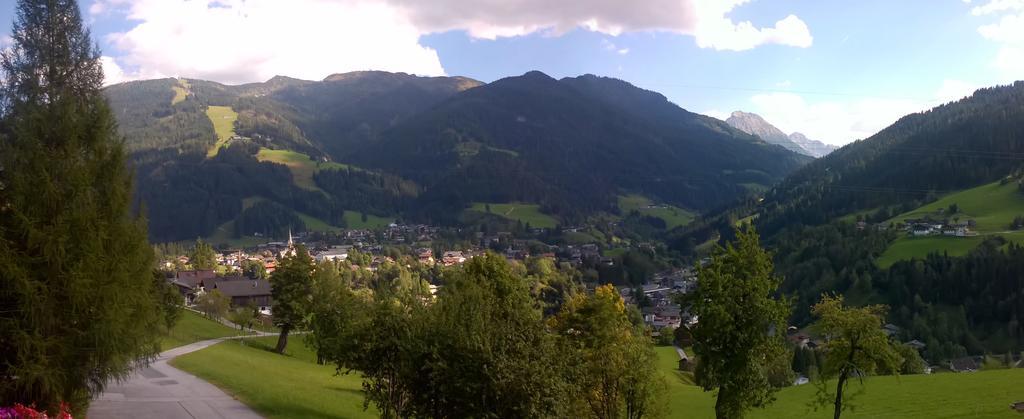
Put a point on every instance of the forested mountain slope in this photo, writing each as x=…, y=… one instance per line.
x=959, y=304
x=422, y=148
x=574, y=145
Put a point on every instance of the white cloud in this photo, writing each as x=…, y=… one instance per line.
x=714, y=30
x=997, y=6
x=609, y=46
x=1008, y=32
x=112, y=72
x=239, y=41
x=1009, y=29
x=837, y=122
x=251, y=40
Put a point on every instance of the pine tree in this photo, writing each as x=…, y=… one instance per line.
x=78, y=303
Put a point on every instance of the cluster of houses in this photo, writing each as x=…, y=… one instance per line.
x=928, y=227
x=660, y=309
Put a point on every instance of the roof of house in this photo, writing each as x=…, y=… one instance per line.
x=963, y=364
x=242, y=287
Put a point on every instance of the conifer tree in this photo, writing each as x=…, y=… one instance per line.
x=78, y=301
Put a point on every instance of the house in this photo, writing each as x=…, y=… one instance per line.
x=188, y=292
x=916, y=344
x=243, y=292
x=337, y=253
x=452, y=258
x=426, y=257
x=967, y=364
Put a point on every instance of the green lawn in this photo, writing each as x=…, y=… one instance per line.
x=294, y=386
x=985, y=394
x=223, y=119
x=992, y=207
x=354, y=220
x=278, y=386
x=527, y=213
x=192, y=327
x=673, y=216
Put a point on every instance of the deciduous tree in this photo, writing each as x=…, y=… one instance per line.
x=291, y=286
x=856, y=347
x=740, y=324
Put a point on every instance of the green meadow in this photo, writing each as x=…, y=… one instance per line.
x=354, y=220
x=673, y=216
x=278, y=386
x=526, y=213
x=294, y=386
x=991, y=206
x=192, y=327
x=223, y=119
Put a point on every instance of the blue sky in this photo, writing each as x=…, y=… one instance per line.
x=835, y=70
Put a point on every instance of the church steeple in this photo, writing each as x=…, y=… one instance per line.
x=291, y=243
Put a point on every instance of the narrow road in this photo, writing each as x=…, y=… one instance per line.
x=161, y=391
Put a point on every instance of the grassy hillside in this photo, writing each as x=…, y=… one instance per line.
x=224, y=234
x=354, y=220
x=673, y=216
x=223, y=118
x=946, y=395
x=991, y=206
x=192, y=327
x=527, y=213
x=294, y=386
x=302, y=166
x=276, y=386
x=181, y=90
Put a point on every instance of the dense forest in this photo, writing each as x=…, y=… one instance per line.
x=424, y=149
x=956, y=305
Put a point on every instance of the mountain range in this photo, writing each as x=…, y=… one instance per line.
x=423, y=149
x=796, y=142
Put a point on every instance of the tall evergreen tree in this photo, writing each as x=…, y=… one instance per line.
x=78, y=304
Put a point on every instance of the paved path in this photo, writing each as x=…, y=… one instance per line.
x=161, y=391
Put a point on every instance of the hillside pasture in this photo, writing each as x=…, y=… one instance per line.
x=181, y=91
x=525, y=213
x=223, y=119
x=672, y=216
x=354, y=220
x=992, y=207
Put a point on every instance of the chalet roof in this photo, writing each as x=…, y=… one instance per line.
x=241, y=287
x=963, y=364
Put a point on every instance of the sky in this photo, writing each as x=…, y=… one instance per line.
x=835, y=70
